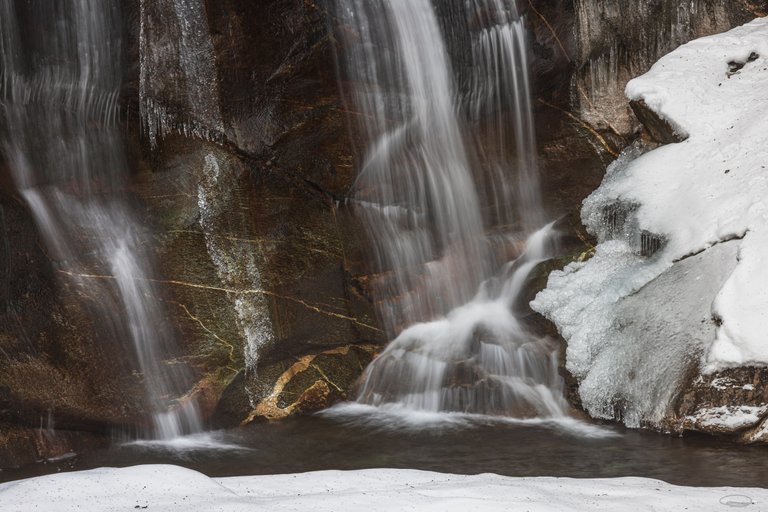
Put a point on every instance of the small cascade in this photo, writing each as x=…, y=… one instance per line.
x=237, y=264
x=449, y=190
x=60, y=89
x=480, y=358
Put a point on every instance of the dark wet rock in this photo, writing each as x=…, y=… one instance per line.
x=295, y=386
x=257, y=80
x=657, y=127
x=21, y=446
x=758, y=434
x=462, y=374
x=278, y=129
x=56, y=360
x=277, y=123
x=735, y=66
x=252, y=259
x=733, y=401
x=251, y=86
x=277, y=242
x=265, y=76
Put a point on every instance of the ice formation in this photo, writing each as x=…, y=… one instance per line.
x=667, y=213
x=620, y=38
x=189, y=63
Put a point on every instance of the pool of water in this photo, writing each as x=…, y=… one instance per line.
x=353, y=439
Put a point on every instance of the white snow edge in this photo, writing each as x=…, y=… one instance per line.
x=172, y=488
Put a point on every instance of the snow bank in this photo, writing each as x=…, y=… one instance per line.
x=714, y=185
x=660, y=207
x=171, y=488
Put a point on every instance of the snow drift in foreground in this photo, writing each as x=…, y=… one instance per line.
x=654, y=211
x=172, y=488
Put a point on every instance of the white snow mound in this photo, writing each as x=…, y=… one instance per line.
x=172, y=488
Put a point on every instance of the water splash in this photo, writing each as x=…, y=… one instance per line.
x=480, y=358
x=60, y=90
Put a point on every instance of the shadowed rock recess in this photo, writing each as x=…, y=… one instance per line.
x=242, y=158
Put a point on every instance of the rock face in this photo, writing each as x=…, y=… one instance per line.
x=255, y=269
x=58, y=370
x=241, y=157
x=733, y=401
x=659, y=129
x=584, y=53
x=618, y=41
x=243, y=120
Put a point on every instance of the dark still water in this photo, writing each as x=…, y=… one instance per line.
x=468, y=447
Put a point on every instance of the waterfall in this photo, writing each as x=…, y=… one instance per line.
x=448, y=187
x=500, y=91
x=61, y=79
x=415, y=189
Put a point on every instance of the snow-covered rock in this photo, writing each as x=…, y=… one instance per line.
x=662, y=299
x=726, y=418
x=171, y=488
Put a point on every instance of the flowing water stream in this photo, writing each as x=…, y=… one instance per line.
x=61, y=80
x=448, y=187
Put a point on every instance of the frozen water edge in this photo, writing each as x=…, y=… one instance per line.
x=172, y=488
x=694, y=195
x=395, y=417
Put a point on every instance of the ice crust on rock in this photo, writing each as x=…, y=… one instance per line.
x=693, y=195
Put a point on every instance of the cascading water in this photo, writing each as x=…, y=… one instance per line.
x=479, y=358
x=500, y=103
x=61, y=78
x=415, y=188
x=438, y=193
